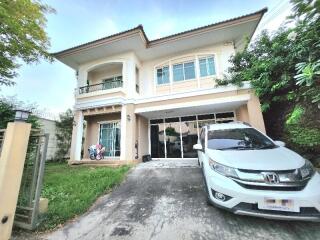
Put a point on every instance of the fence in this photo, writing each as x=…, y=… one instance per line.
x=2, y=134
x=31, y=185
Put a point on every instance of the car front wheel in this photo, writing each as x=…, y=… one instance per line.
x=206, y=188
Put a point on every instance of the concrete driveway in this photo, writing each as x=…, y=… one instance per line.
x=166, y=200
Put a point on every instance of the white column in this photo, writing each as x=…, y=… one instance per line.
x=124, y=77
x=131, y=78
x=77, y=134
x=255, y=113
x=123, y=127
x=82, y=77
x=128, y=132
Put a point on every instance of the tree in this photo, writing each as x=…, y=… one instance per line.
x=307, y=15
x=7, y=107
x=63, y=134
x=284, y=69
x=285, y=65
x=22, y=35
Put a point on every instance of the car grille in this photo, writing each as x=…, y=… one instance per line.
x=259, y=171
x=308, y=211
x=287, y=180
x=272, y=188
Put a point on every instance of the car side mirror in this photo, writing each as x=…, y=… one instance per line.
x=280, y=143
x=197, y=146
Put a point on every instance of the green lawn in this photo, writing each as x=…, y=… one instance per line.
x=72, y=190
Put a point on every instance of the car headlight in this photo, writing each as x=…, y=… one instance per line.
x=307, y=170
x=222, y=169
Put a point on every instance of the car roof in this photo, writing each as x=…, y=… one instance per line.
x=231, y=125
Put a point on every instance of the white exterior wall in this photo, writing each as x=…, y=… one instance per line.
x=222, y=54
x=98, y=77
x=133, y=103
x=147, y=73
x=128, y=60
x=49, y=126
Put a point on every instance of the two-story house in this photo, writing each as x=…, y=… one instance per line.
x=139, y=96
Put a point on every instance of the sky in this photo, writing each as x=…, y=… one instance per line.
x=51, y=85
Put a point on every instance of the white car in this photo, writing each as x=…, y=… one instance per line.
x=248, y=173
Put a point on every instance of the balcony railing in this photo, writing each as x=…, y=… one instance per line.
x=101, y=86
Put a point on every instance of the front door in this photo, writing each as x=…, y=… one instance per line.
x=109, y=137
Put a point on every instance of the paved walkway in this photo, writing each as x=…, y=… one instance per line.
x=166, y=200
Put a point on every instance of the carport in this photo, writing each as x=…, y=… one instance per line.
x=175, y=126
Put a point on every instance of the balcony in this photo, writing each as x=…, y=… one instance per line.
x=110, y=84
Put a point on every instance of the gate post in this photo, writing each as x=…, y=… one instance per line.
x=12, y=160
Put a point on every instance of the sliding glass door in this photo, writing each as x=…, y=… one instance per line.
x=175, y=137
x=110, y=138
x=189, y=133
x=157, y=139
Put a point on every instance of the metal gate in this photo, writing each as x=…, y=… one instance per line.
x=2, y=133
x=27, y=214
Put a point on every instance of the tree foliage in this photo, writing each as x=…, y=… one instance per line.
x=22, y=35
x=7, y=113
x=284, y=69
x=63, y=134
x=300, y=131
x=285, y=65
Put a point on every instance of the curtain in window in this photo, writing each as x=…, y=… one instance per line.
x=163, y=75
x=206, y=66
x=110, y=138
x=178, y=72
x=211, y=69
x=183, y=71
x=189, y=72
x=203, y=67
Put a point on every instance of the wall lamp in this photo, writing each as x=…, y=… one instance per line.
x=21, y=115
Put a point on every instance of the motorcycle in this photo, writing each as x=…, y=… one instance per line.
x=96, y=152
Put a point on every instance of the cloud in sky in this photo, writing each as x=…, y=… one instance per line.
x=51, y=86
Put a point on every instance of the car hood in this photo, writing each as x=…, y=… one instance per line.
x=279, y=158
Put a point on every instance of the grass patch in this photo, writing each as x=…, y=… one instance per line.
x=72, y=190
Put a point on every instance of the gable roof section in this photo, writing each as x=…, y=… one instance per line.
x=104, y=40
x=210, y=26
x=140, y=33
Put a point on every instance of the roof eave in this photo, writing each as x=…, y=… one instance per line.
x=139, y=30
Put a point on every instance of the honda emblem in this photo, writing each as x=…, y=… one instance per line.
x=271, y=177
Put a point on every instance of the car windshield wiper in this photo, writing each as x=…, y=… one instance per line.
x=267, y=147
x=235, y=148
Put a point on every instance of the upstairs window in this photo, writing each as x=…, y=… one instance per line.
x=183, y=71
x=206, y=66
x=163, y=75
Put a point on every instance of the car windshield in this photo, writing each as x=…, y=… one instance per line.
x=238, y=139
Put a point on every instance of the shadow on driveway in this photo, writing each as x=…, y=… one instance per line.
x=166, y=200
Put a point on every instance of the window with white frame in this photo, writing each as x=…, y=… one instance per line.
x=183, y=71
x=207, y=66
x=163, y=75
